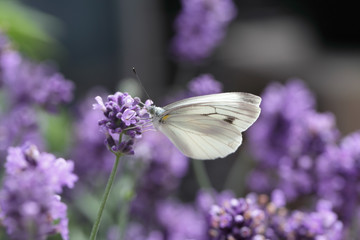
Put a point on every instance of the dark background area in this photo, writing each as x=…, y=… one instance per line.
x=94, y=32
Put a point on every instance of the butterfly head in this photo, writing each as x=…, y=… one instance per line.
x=156, y=111
x=152, y=109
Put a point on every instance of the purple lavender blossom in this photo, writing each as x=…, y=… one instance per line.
x=237, y=219
x=338, y=170
x=282, y=107
x=28, y=82
x=287, y=139
x=321, y=224
x=297, y=170
x=200, y=27
x=31, y=208
x=123, y=116
x=255, y=217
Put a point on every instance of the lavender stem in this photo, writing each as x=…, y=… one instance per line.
x=109, y=184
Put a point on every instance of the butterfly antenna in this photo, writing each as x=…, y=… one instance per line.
x=138, y=79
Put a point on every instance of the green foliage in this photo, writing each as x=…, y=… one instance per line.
x=55, y=237
x=30, y=30
x=57, y=130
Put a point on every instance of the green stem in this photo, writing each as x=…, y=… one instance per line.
x=201, y=175
x=109, y=184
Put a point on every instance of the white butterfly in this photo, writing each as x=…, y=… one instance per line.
x=209, y=126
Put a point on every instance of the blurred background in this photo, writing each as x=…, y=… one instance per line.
x=97, y=43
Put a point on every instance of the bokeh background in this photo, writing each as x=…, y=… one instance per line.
x=96, y=43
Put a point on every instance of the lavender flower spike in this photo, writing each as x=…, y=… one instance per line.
x=124, y=117
x=30, y=205
x=200, y=27
x=261, y=217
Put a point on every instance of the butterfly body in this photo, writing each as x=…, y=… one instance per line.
x=209, y=126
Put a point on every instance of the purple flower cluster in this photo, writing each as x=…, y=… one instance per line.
x=200, y=27
x=255, y=217
x=298, y=151
x=30, y=204
x=338, y=170
x=32, y=83
x=123, y=116
x=221, y=216
x=287, y=139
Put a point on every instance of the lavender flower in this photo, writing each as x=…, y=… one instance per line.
x=200, y=27
x=28, y=82
x=296, y=171
x=237, y=219
x=123, y=116
x=283, y=106
x=291, y=135
x=31, y=208
x=255, y=217
x=338, y=171
x=321, y=224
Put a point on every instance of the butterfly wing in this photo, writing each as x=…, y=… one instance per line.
x=210, y=126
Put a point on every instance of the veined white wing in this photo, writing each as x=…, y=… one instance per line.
x=210, y=126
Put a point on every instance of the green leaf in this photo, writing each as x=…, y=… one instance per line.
x=30, y=30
